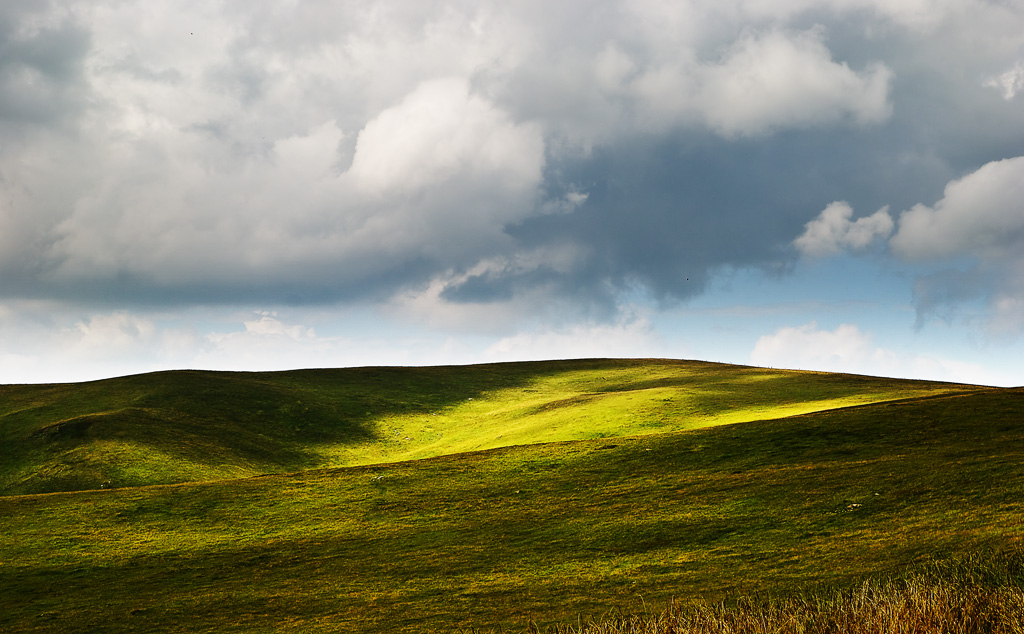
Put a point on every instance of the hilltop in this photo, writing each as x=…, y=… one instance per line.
x=182, y=426
x=829, y=480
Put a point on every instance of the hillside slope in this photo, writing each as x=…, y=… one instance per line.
x=197, y=426
x=542, y=532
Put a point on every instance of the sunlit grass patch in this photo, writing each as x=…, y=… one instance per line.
x=175, y=426
x=622, y=398
x=545, y=491
x=543, y=532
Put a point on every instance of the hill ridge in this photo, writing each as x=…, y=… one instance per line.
x=195, y=425
x=544, y=533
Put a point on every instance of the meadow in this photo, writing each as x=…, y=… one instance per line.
x=187, y=426
x=486, y=497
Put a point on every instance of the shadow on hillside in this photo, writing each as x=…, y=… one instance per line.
x=185, y=425
x=191, y=425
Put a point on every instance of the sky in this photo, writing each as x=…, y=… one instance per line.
x=832, y=185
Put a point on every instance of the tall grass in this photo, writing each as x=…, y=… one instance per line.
x=973, y=597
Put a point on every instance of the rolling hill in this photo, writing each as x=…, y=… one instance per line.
x=831, y=479
x=185, y=426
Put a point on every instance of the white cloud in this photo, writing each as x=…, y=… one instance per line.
x=437, y=176
x=441, y=174
x=41, y=342
x=111, y=334
x=440, y=132
x=849, y=349
x=807, y=347
x=833, y=232
x=980, y=218
x=268, y=324
x=254, y=145
x=267, y=343
x=1008, y=313
x=629, y=339
x=269, y=153
x=1008, y=83
x=572, y=200
x=751, y=83
x=919, y=15
x=777, y=80
x=981, y=215
x=427, y=303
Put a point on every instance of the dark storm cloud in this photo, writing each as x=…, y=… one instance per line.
x=41, y=79
x=307, y=153
x=667, y=214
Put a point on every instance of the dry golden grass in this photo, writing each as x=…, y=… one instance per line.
x=952, y=601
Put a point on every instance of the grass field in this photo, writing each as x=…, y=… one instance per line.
x=196, y=426
x=974, y=595
x=652, y=500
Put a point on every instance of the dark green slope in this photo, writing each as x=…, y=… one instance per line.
x=197, y=426
x=543, y=531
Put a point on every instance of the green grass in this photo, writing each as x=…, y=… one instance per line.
x=195, y=426
x=545, y=532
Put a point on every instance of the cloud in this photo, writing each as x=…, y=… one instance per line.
x=440, y=132
x=849, y=349
x=978, y=224
x=485, y=170
x=267, y=342
x=282, y=153
x=502, y=293
x=777, y=80
x=112, y=334
x=269, y=325
x=434, y=179
x=988, y=296
x=1008, y=312
x=42, y=341
x=944, y=293
x=808, y=347
x=1008, y=83
x=630, y=338
x=442, y=173
x=921, y=15
x=832, y=232
x=981, y=215
x=753, y=83
x=42, y=78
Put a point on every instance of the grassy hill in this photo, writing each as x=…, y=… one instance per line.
x=792, y=499
x=196, y=426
